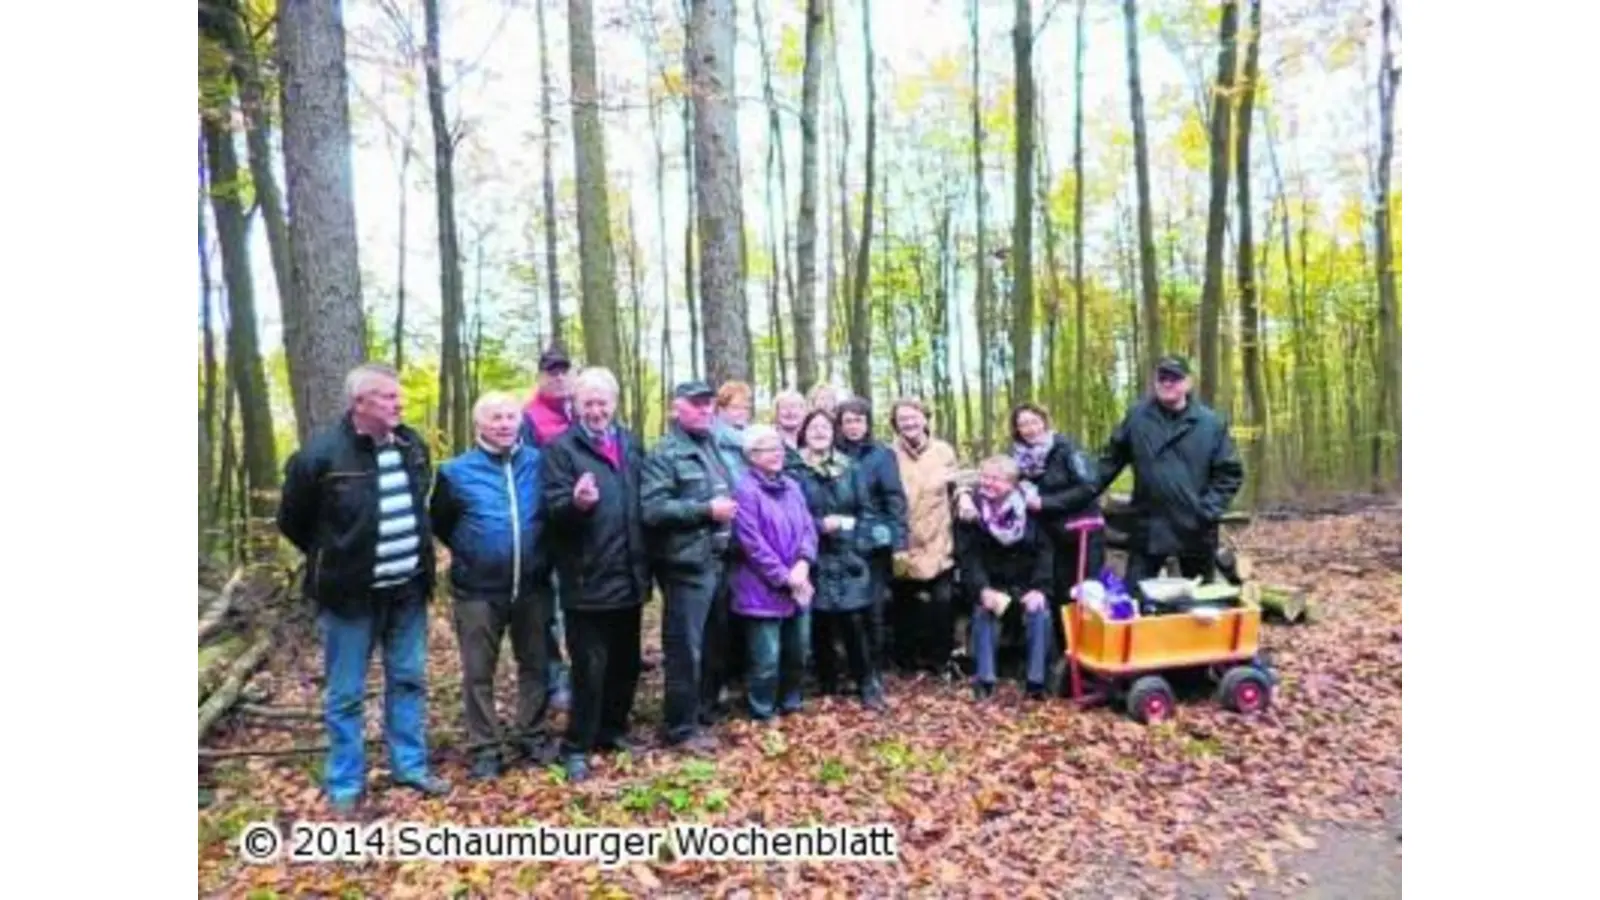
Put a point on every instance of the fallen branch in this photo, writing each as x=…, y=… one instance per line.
x=214, y=663
x=277, y=712
x=211, y=620
x=1283, y=602
x=238, y=673
x=304, y=749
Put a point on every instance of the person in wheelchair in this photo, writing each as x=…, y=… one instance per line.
x=1007, y=570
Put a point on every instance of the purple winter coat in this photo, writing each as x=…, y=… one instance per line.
x=775, y=530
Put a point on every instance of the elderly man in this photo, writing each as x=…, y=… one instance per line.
x=546, y=417
x=355, y=503
x=590, y=481
x=485, y=509
x=686, y=500
x=1185, y=474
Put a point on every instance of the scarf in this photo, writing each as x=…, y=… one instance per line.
x=830, y=466
x=1030, y=457
x=1005, y=519
x=609, y=446
x=915, y=451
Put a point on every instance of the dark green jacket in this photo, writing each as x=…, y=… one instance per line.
x=1186, y=472
x=681, y=476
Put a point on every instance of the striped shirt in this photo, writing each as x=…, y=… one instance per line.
x=396, y=559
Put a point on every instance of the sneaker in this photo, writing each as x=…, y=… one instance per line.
x=791, y=705
x=538, y=750
x=561, y=699
x=428, y=785
x=982, y=690
x=486, y=767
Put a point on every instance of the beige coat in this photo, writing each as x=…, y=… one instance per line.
x=924, y=476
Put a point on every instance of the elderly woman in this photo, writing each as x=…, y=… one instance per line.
x=825, y=397
x=1007, y=565
x=771, y=582
x=590, y=484
x=838, y=504
x=788, y=412
x=922, y=631
x=733, y=407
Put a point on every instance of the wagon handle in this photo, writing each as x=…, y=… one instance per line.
x=1083, y=526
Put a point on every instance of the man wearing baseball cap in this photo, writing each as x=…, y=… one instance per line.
x=1186, y=472
x=686, y=503
x=547, y=415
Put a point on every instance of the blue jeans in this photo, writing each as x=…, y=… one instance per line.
x=986, y=638
x=347, y=645
x=777, y=649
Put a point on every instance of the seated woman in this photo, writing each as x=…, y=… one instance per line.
x=1007, y=566
x=771, y=582
x=843, y=584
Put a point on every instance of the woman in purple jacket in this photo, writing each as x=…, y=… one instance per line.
x=771, y=582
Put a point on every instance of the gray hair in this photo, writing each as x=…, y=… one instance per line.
x=788, y=395
x=596, y=378
x=360, y=379
x=755, y=435
x=492, y=400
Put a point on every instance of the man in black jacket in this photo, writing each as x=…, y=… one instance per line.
x=590, y=482
x=355, y=503
x=1185, y=474
x=686, y=500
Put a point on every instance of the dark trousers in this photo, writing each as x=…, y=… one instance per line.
x=777, y=663
x=880, y=568
x=694, y=648
x=854, y=630
x=604, y=645
x=481, y=627
x=922, y=630
x=555, y=666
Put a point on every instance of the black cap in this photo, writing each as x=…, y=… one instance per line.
x=554, y=358
x=1173, y=365
x=688, y=390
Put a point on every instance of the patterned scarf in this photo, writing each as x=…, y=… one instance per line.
x=830, y=466
x=1030, y=457
x=1006, y=519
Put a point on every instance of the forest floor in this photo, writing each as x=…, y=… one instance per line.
x=1007, y=798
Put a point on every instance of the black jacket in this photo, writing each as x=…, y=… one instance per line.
x=1186, y=472
x=840, y=576
x=681, y=476
x=599, y=554
x=1069, y=486
x=879, y=473
x=329, y=510
x=1013, y=570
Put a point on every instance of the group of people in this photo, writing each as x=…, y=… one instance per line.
x=777, y=548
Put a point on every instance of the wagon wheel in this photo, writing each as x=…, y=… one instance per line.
x=1151, y=700
x=1245, y=689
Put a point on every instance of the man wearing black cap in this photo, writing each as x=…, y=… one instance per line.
x=686, y=503
x=1185, y=474
x=547, y=415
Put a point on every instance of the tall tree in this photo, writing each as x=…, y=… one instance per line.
x=324, y=333
x=453, y=387
x=208, y=359
x=1217, y=213
x=1150, y=289
x=981, y=302
x=719, y=210
x=598, y=306
x=244, y=351
x=805, y=299
x=1388, y=300
x=1081, y=351
x=1249, y=308
x=547, y=123
x=860, y=320
x=1022, y=221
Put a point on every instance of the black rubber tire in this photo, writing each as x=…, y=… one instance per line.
x=1151, y=700
x=1245, y=690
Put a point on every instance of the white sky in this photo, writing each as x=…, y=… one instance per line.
x=499, y=164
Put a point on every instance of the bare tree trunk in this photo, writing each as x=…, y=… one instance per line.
x=1217, y=217
x=244, y=351
x=1081, y=351
x=839, y=303
x=1388, y=299
x=985, y=434
x=598, y=305
x=661, y=236
x=208, y=382
x=805, y=298
x=1149, y=286
x=547, y=122
x=1249, y=309
x=1022, y=222
x=860, y=310
x=400, y=277
x=324, y=331
x=638, y=405
x=453, y=404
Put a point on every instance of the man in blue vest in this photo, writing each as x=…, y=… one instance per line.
x=485, y=509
